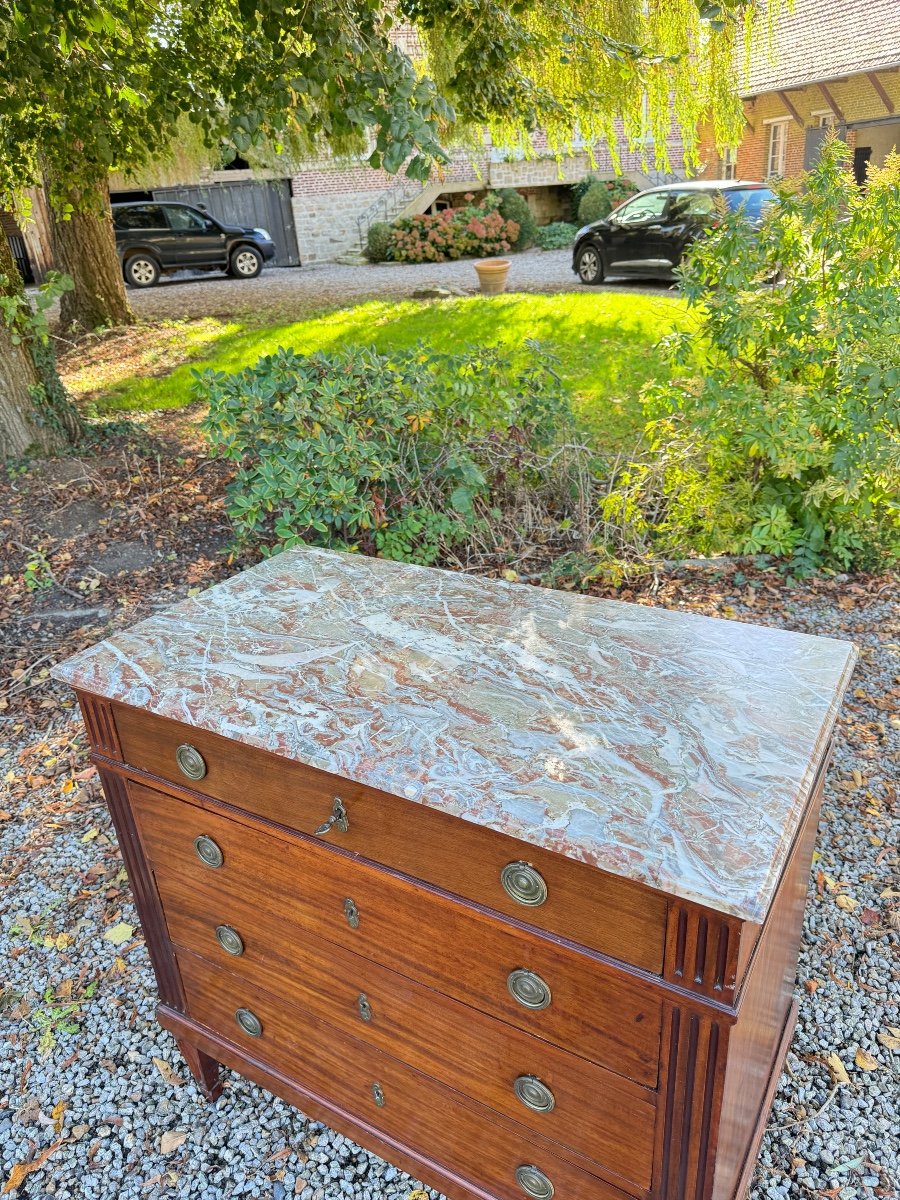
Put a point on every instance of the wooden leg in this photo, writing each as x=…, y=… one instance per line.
x=204, y=1069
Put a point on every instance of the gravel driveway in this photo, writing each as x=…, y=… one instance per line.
x=113, y=1110
x=295, y=291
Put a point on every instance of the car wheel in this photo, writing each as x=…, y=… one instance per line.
x=246, y=263
x=141, y=270
x=589, y=265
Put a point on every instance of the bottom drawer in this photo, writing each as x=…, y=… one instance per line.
x=432, y=1120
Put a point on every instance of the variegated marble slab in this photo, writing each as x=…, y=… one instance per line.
x=675, y=749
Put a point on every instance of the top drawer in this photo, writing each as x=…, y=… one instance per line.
x=611, y=915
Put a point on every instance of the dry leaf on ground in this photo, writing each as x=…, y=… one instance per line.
x=890, y=1037
x=171, y=1140
x=22, y=1170
x=866, y=1061
x=171, y=1077
x=837, y=1069
x=119, y=933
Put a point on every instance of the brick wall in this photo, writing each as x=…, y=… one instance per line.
x=856, y=98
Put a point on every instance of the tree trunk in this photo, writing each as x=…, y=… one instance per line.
x=86, y=250
x=34, y=411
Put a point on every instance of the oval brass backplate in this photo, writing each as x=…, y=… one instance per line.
x=378, y=1095
x=229, y=939
x=190, y=761
x=524, y=884
x=351, y=912
x=208, y=851
x=249, y=1022
x=529, y=989
x=534, y=1094
x=365, y=1008
x=534, y=1182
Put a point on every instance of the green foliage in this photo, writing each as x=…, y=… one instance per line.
x=395, y=455
x=475, y=229
x=514, y=207
x=781, y=433
x=595, y=204
x=555, y=236
x=379, y=242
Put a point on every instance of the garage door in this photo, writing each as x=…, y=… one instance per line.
x=264, y=204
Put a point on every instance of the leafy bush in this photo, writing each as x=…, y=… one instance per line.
x=595, y=204
x=476, y=229
x=397, y=455
x=556, y=236
x=782, y=435
x=379, y=241
x=514, y=207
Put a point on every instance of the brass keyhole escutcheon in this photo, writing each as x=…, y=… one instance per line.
x=208, y=851
x=338, y=819
x=524, y=884
x=190, y=761
x=229, y=939
x=529, y=989
x=534, y=1094
x=378, y=1095
x=365, y=1008
x=534, y=1182
x=249, y=1022
x=351, y=912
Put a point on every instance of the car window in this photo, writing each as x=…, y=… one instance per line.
x=185, y=218
x=752, y=200
x=693, y=204
x=141, y=216
x=642, y=208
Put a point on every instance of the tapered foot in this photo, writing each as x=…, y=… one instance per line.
x=205, y=1070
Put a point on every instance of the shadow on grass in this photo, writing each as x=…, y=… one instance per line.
x=605, y=344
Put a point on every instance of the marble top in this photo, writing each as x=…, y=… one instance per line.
x=670, y=748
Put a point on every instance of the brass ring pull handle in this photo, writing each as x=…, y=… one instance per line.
x=190, y=762
x=534, y=1094
x=534, y=1182
x=208, y=851
x=524, y=884
x=230, y=940
x=249, y=1022
x=529, y=989
x=338, y=818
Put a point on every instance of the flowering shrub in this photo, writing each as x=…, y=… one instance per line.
x=454, y=233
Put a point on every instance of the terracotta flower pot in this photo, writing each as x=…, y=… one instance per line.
x=492, y=273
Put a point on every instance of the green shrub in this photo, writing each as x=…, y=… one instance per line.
x=477, y=229
x=577, y=190
x=514, y=207
x=595, y=204
x=399, y=455
x=782, y=434
x=556, y=236
x=379, y=242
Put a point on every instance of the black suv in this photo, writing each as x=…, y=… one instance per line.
x=153, y=238
x=649, y=234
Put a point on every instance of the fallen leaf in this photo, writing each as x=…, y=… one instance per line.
x=866, y=1061
x=167, y=1073
x=68, y=787
x=119, y=933
x=836, y=1067
x=22, y=1170
x=5, y=816
x=811, y=985
x=890, y=1039
x=91, y=834
x=171, y=1140
x=57, y=1114
x=63, y=940
x=847, y=903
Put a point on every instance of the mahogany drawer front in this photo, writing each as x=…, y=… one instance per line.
x=294, y=887
x=603, y=912
x=409, y=1104
x=472, y=1053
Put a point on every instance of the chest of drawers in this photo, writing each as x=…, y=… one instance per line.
x=506, y=885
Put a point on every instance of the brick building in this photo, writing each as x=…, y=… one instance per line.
x=828, y=63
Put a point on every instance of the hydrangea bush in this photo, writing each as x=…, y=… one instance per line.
x=476, y=229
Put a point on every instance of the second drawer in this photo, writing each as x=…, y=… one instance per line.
x=294, y=887
x=559, y=1095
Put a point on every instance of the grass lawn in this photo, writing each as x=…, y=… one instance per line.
x=605, y=343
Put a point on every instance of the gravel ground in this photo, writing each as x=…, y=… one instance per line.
x=293, y=292
x=110, y=1111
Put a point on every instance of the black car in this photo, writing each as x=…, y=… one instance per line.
x=648, y=234
x=154, y=238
